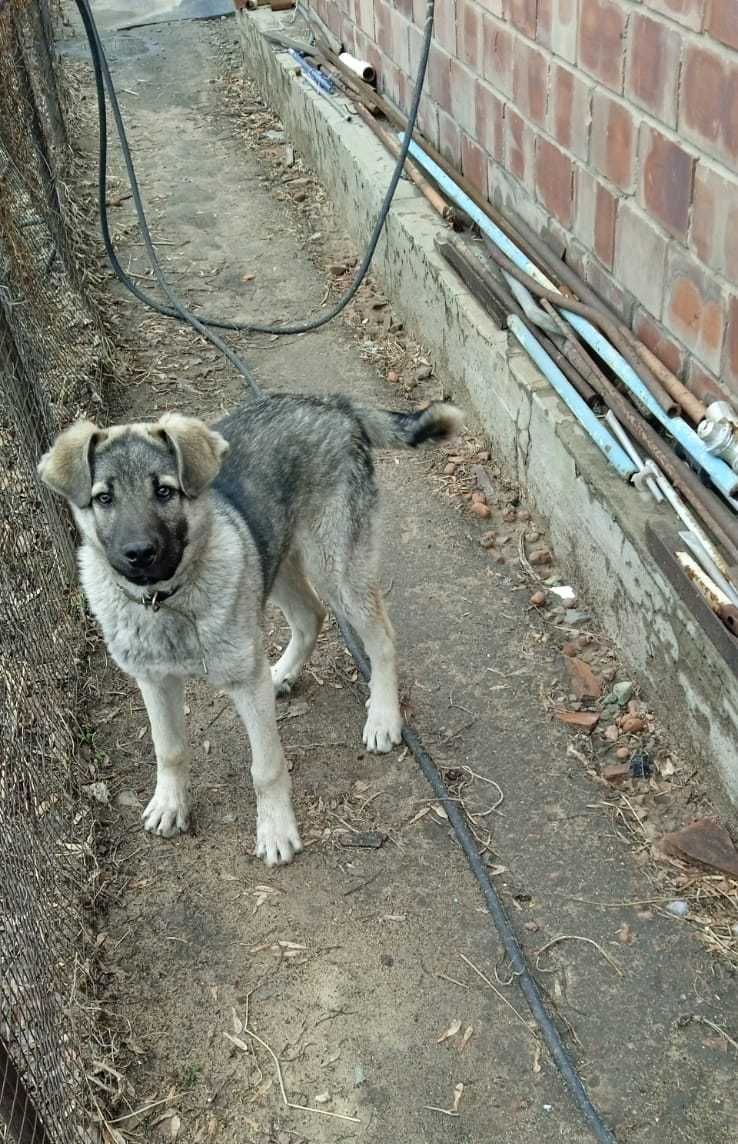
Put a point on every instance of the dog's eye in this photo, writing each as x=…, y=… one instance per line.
x=104, y=498
x=165, y=492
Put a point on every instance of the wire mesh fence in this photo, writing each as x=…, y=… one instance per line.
x=50, y=362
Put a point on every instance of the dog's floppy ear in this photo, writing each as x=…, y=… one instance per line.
x=199, y=450
x=66, y=468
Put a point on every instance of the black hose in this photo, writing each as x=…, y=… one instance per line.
x=458, y=821
x=523, y=976
x=103, y=82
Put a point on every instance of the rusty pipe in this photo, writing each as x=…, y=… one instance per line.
x=434, y=197
x=721, y=522
x=688, y=402
x=597, y=318
x=486, y=288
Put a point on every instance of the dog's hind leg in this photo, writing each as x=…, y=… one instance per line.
x=277, y=836
x=167, y=813
x=366, y=613
x=304, y=613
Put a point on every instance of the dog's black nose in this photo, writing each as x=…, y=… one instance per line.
x=140, y=555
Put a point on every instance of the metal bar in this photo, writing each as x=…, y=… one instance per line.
x=601, y=436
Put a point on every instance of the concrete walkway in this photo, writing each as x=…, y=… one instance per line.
x=357, y=966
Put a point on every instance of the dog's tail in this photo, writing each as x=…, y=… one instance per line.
x=386, y=429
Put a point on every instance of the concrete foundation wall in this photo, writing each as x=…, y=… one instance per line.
x=598, y=523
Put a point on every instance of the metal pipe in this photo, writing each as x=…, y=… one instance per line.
x=601, y=436
x=719, y=520
x=714, y=596
x=698, y=551
x=634, y=455
x=691, y=405
x=517, y=261
x=322, y=83
x=434, y=197
x=498, y=300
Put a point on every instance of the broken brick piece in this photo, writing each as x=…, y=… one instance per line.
x=585, y=720
x=584, y=681
x=704, y=843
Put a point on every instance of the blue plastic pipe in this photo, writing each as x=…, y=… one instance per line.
x=317, y=79
x=601, y=436
x=721, y=475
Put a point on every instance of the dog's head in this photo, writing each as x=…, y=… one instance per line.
x=137, y=490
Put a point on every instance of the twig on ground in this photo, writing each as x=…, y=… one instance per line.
x=578, y=937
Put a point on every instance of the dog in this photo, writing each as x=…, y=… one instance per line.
x=188, y=529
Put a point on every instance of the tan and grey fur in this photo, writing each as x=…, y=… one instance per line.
x=274, y=501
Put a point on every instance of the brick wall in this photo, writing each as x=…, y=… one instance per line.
x=610, y=125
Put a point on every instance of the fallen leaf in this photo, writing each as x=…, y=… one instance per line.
x=421, y=814
x=537, y=1059
x=451, y=1031
x=468, y=1031
x=458, y=1093
x=438, y=809
x=206, y=746
x=625, y=934
x=248, y=277
x=322, y=1098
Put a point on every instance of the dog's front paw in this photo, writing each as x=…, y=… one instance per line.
x=168, y=812
x=277, y=836
x=382, y=730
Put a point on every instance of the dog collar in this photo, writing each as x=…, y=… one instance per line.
x=152, y=600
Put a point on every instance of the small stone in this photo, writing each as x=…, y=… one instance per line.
x=299, y=197
x=569, y=649
x=537, y=600
x=450, y=469
x=611, y=733
x=540, y=556
x=487, y=540
x=336, y=268
x=632, y=724
x=393, y=377
x=423, y=372
x=510, y=516
x=533, y=536
x=523, y=514
x=483, y=456
x=623, y=692
x=574, y=617
x=616, y=772
x=481, y=510
x=622, y=753
x=478, y=498
x=679, y=908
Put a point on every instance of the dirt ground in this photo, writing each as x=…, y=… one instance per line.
x=375, y=974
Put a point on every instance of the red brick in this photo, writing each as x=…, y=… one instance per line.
x=364, y=16
x=653, y=67
x=383, y=26
x=690, y=13
x=557, y=27
x=444, y=25
x=601, y=40
x=463, y=97
x=554, y=180
x=596, y=213
x=470, y=34
x=694, y=308
x=730, y=364
x=522, y=14
x=518, y=145
x=613, y=144
x=400, y=41
x=659, y=342
x=428, y=120
x=490, y=121
x=708, y=110
x=474, y=163
x=439, y=77
x=667, y=172
x=498, y=53
x=449, y=139
x=608, y=288
x=722, y=21
x=569, y=110
x=640, y=257
x=530, y=80
x=696, y=373
x=494, y=7
x=714, y=233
